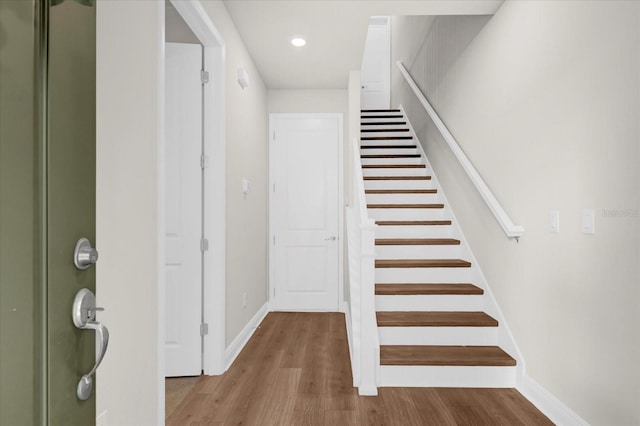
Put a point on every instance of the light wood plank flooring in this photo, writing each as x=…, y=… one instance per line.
x=295, y=370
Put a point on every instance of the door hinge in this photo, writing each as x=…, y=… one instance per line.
x=204, y=76
x=204, y=161
x=274, y=187
x=204, y=329
x=274, y=135
x=204, y=244
x=274, y=240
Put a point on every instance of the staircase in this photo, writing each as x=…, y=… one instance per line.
x=436, y=323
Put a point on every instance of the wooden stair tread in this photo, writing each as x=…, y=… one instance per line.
x=435, y=319
x=401, y=191
x=390, y=156
x=388, y=146
x=405, y=206
x=422, y=263
x=397, y=178
x=412, y=222
x=445, y=355
x=417, y=242
x=394, y=166
x=385, y=138
x=427, y=289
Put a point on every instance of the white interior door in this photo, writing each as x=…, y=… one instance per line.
x=305, y=156
x=183, y=211
x=376, y=65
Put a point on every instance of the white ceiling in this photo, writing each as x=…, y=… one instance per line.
x=335, y=31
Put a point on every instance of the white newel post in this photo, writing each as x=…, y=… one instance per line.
x=364, y=344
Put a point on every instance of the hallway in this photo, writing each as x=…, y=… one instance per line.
x=295, y=371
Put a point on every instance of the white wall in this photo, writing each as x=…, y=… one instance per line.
x=544, y=98
x=176, y=30
x=247, y=157
x=307, y=101
x=130, y=37
x=128, y=56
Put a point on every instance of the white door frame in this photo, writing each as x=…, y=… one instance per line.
x=214, y=182
x=272, y=222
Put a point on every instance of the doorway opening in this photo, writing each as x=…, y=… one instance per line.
x=188, y=24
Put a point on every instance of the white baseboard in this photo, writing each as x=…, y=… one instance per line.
x=234, y=349
x=344, y=307
x=551, y=406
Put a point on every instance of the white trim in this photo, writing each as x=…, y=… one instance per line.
x=198, y=20
x=234, y=349
x=509, y=228
x=160, y=214
x=214, y=260
x=546, y=402
x=341, y=213
x=344, y=307
x=213, y=360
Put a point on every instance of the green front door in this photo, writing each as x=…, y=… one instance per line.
x=47, y=203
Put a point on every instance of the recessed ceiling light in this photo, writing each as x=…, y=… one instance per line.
x=298, y=41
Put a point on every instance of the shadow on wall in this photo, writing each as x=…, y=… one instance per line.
x=438, y=52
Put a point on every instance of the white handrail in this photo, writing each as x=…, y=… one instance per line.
x=509, y=228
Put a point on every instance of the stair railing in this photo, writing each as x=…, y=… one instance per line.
x=509, y=228
x=361, y=252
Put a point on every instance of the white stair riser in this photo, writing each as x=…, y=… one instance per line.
x=406, y=214
x=369, y=126
x=403, y=198
x=393, y=134
x=410, y=231
x=422, y=275
x=447, y=376
x=398, y=184
x=427, y=302
x=439, y=336
x=389, y=151
x=395, y=172
x=410, y=160
x=378, y=119
x=373, y=142
x=418, y=252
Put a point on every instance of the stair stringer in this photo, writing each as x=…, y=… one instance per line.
x=505, y=338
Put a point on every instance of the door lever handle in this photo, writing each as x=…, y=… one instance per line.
x=330, y=238
x=84, y=317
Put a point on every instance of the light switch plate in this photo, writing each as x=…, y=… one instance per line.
x=554, y=221
x=588, y=221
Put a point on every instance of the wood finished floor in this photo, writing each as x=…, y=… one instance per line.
x=295, y=370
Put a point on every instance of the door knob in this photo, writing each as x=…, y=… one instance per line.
x=84, y=255
x=84, y=317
